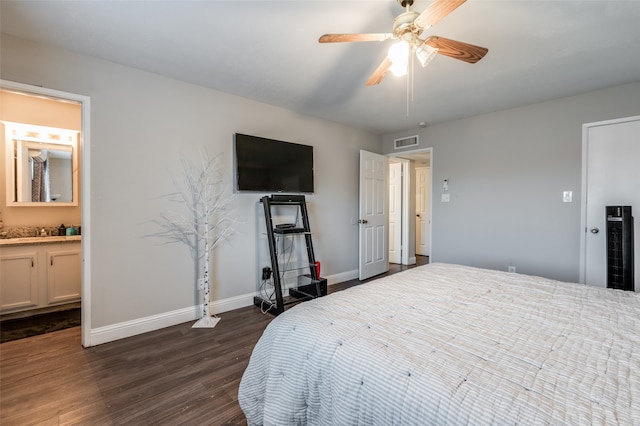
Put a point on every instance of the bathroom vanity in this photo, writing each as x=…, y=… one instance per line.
x=39, y=272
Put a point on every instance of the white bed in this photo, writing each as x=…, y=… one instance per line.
x=449, y=344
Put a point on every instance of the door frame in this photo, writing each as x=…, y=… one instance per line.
x=416, y=208
x=405, y=213
x=583, y=203
x=395, y=248
x=85, y=186
x=408, y=194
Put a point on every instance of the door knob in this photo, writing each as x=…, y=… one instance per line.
x=363, y=221
x=595, y=230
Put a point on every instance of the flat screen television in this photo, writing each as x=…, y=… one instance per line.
x=268, y=165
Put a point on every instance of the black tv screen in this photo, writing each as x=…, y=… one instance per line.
x=268, y=165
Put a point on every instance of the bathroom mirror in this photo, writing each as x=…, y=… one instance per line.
x=42, y=166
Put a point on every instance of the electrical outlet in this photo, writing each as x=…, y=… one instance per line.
x=200, y=283
x=266, y=273
x=512, y=268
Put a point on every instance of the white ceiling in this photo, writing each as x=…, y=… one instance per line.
x=268, y=51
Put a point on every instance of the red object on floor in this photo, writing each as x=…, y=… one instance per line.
x=318, y=268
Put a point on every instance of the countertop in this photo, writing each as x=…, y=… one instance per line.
x=39, y=240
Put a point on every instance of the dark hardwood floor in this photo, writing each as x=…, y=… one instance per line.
x=177, y=375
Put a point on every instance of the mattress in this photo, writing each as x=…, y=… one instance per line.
x=450, y=344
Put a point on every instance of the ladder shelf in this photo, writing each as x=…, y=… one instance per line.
x=308, y=285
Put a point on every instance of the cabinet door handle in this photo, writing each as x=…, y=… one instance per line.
x=51, y=260
x=32, y=264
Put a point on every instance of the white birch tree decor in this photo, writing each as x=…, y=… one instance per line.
x=205, y=221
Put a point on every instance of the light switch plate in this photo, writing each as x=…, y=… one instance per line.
x=445, y=198
x=567, y=196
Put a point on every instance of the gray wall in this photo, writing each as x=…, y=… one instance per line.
x=507, y=171
x=141, y=124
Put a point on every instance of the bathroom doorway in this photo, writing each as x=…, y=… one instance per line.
x=19, y=217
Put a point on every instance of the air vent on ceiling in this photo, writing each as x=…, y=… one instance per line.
x=405, y=142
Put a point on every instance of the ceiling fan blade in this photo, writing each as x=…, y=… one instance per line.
x=457, y=49
x=437, y=10
x=337, y=38
x=379, y=73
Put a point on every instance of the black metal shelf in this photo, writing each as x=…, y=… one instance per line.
x=309, y=285
x=285, y=231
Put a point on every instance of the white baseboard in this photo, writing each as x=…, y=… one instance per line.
x=342, y=277
x=231, y=303
x=125, y=329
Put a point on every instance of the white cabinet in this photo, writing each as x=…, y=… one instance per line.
x=39, y=275
x=63, y=278
x=18, y=281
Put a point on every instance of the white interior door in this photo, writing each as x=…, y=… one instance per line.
x=374, y=218
x=395, y=212
x=423, y=210
x=611, y=176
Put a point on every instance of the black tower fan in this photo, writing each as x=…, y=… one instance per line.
x=620, y=248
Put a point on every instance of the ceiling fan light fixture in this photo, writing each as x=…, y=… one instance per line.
x=407, y=30
x=399, y=57
x=425, y=53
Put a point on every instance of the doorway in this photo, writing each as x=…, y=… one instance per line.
x=423, y=210
x=411, y=204
x=84, y=148
x=610, y=177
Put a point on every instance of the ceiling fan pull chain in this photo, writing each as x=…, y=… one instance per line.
x=410, y=83
x=413, y=62
x=408, y=78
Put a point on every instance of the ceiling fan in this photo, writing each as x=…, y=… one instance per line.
x=407, y=28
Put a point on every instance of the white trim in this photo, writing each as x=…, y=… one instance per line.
x=137, y=326
x=125, y=329
x=583, y=206
x=342, y=277
x=406, y=214
x=85, y=147
x=431, y=203
x=428, y=169
x=396, y=196
x=230, y=303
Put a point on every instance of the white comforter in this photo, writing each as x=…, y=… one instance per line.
x=445, y=344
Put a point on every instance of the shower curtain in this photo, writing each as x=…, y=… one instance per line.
x=40, y=180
